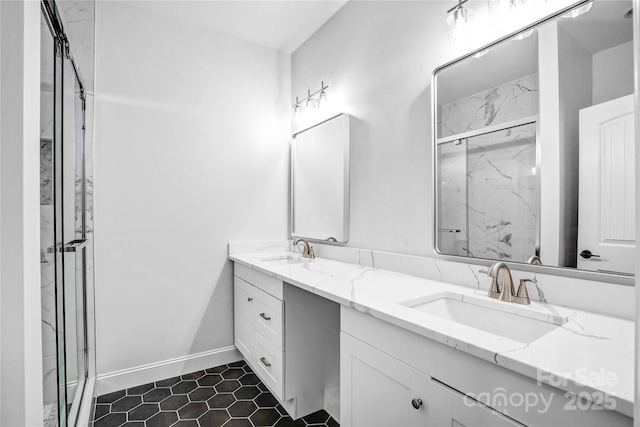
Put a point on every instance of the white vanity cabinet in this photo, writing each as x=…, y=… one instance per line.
x=382, y=391
x=393, y=377
x=258, y=332
x=289, y=337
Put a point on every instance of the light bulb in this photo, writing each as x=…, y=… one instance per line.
x=311, y=101
x=459, y=21
x=322, y=98
x=578, y=11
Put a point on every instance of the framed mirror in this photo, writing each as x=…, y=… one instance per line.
x=534, y=145
x=320, y=181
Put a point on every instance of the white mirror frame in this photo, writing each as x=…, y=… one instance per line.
x=620, y=279
x=346, y=193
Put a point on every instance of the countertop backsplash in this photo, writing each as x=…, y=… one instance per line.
x=597, y=297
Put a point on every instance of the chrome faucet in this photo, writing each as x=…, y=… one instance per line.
x=506, y=291
x=307, y=251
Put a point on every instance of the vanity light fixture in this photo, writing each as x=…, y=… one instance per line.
x=459, y=19
x=578, y=10
x=313, y=101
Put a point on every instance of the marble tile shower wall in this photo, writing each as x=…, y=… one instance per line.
x=597, y=297
x=509, y=101
x=488, y=187
x=502, y=197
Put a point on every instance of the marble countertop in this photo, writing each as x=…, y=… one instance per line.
x=590, y=352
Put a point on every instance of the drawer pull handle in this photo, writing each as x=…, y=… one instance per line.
x=264, y=316
x=417, y=403
x=265, y=362
x=249, y=299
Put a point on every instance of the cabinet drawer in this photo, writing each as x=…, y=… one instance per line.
x=268, y=318
x=269, y=364
x=464, y=412
x=269, y=284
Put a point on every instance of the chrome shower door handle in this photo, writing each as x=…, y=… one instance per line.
x=75, y=245
x=72, y=246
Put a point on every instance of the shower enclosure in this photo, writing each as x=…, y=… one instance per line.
x=488, y=199
x=65, y=236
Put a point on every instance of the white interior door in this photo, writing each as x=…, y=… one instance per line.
x=606, y=221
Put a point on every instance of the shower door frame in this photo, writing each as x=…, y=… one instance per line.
x=65, y=63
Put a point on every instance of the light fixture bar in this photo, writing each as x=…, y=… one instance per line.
x=460, y=3
x=311, y=95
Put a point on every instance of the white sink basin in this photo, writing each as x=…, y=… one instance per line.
x=283, y=260
x=513, y=321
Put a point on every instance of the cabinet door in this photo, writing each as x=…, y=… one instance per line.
x=379, y=390
x=244, y=304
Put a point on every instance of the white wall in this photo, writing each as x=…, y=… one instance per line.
x=20, y=327
x=192, y=151
x=377, y=58
x=613, y=73
x=549, y=137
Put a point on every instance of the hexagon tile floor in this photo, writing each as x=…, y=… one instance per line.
x=228, y=395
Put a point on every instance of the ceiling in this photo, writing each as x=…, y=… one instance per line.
x=603, y=27
x=282, y=25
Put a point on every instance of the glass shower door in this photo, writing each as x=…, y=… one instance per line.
x=58, y=179
x=488, y=199
x=73, y=229
x=50, y=237
x=63, y=228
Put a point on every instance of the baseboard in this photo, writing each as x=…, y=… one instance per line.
x=119, y=380
x=332, y=402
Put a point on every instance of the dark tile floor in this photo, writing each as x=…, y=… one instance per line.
x=228, y=395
